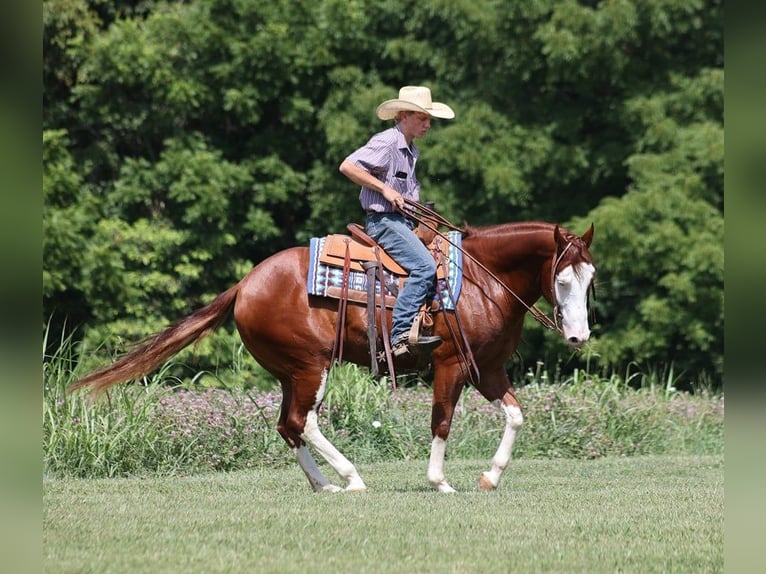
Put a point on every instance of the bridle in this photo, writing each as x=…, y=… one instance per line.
x=591, y=289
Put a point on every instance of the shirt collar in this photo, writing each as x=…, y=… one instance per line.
x=401, y=143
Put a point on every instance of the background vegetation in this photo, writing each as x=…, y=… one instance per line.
x=170, y=426
x=184, y=142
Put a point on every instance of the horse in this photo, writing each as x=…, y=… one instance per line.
x=292, y=334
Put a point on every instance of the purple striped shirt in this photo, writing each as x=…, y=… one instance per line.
x=387, y=157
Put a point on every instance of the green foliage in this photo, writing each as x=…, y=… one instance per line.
x=662, y=294
x=185, y=141
x=662, y=291
x=64, y=217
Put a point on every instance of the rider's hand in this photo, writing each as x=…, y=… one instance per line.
x=394, y=197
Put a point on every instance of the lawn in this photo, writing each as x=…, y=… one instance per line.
x=613, y=514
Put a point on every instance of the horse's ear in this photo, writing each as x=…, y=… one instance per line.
x=557, y=236
x=588, y=235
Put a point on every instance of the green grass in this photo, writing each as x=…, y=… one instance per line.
x=613, y=514
x=607, y=476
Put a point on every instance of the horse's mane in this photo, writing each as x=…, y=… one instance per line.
x=579, y=249
x=505, y=228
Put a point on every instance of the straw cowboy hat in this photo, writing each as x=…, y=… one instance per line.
x=414, y=99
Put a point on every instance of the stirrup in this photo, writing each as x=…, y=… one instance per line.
x=424, y=344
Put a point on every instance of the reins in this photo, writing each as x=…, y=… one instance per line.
x=430, y=214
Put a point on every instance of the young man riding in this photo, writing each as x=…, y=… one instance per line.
x=385, y=169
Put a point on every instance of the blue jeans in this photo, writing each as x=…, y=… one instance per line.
x=394, y=233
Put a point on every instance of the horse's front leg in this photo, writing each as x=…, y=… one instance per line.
x=444, y=400
x=510, y=406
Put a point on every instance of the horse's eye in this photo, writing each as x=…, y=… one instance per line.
x=565, y=276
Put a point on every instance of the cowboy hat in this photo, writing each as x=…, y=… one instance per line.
x=414, y=99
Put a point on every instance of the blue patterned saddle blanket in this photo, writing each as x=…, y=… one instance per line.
x=326, y=279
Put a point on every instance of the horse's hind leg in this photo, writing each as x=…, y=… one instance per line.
x=298, y=425
x=290, y=430
x=311, y=470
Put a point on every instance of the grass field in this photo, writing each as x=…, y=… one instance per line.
x=636, y=514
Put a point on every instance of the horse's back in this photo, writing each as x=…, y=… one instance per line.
x=282, y=270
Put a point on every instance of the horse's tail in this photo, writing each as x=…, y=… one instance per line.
x=156, y=349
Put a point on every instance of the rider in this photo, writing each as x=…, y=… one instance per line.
x=385, y=168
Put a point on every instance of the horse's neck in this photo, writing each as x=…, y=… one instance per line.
x=518, y=255
x=513, y=247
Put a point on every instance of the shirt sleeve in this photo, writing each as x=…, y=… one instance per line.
x=374, y=156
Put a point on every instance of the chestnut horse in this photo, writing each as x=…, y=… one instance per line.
x=507, y=268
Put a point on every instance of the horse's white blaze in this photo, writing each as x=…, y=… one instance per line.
x=436, y=466
x=571, y=292
x=313, y=436
x=513, y=421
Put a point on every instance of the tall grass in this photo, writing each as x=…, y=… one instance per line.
x=157, y=426
x=364, y=418
x=590, y=418
x=166, y=426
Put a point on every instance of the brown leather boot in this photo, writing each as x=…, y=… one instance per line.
x=424, y=344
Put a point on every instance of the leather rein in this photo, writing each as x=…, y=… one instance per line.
x=539, y=316
x=431, y=220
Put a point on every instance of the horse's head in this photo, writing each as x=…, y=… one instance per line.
x=572, y=275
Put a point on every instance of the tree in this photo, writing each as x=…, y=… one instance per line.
x=187, y=141
x=662, y=298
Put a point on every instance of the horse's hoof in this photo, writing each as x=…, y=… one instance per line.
x=356, y=488
x=444, y=487
x=356, y=484
x=331, y=488
x=485, y=484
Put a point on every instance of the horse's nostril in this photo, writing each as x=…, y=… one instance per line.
x=574, y=341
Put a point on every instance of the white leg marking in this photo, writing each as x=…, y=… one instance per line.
x=309, y=466
x=513, y=421
x=436, y=466
x=313, y=436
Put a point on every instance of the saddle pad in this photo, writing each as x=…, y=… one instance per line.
x=326, y=280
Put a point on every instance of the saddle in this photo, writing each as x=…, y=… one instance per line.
x=363, y=248
x=361, y=253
